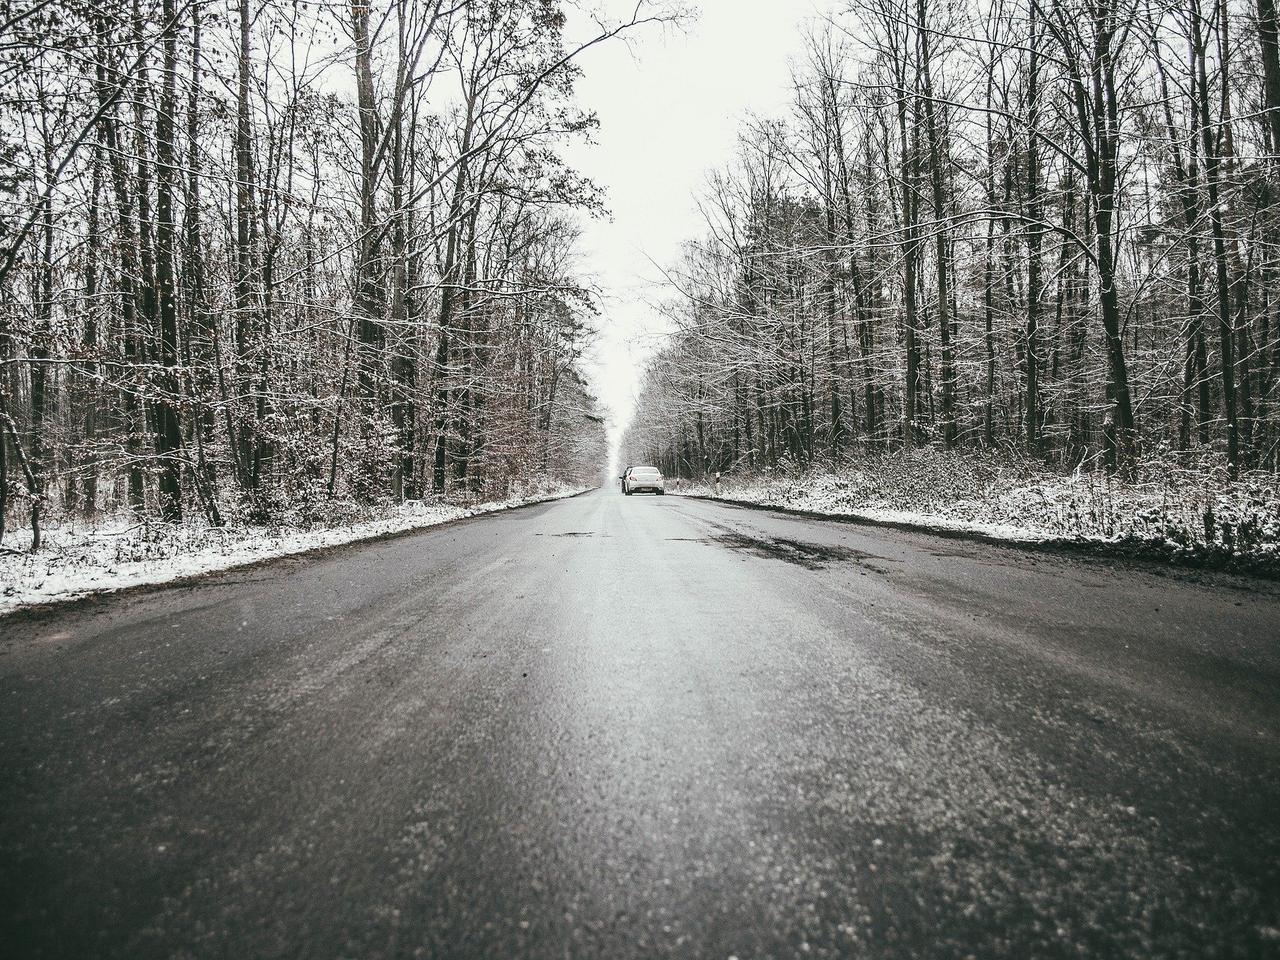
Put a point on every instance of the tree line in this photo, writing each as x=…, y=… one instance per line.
x=266, y=255
x=1043, y=225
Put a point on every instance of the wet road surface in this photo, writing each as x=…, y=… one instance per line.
x=615, y=727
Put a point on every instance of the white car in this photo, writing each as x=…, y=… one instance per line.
x=641, y=479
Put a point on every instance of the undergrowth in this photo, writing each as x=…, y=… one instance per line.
x=1191, y=509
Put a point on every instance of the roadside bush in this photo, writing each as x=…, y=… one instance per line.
x=1176, y=505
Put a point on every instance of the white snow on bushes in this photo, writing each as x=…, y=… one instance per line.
x=1182, y=509
x=77, y=561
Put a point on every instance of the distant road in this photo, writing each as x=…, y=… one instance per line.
x=615, y=728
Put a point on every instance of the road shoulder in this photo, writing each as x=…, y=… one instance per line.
x=1149, y=555
x=43, y=584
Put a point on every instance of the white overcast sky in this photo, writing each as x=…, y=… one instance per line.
x=670, y=110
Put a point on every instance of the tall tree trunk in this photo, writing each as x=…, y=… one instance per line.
x=127, y=278
x=1097, y=116
x=449, y=292
x=202, y=357
x=243, y=430
x=1199, y=76
x=88, y=460
x=369, y=328
x=909, y=145
x=169, y=432
x=40, y=361
x=831, y=260
x=404, y=359
x=1034, y=233
x=937, y=181
x=1269, y=49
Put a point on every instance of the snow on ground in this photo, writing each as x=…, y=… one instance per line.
x=1171, y=510
x=75, y=562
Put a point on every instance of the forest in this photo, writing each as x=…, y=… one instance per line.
x=268, y=258
x=1045, y=230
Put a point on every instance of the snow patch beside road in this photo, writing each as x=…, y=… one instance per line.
x=76, y=563
x=1186, y=514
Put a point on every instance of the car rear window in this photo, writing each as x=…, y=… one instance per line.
x=645, y=472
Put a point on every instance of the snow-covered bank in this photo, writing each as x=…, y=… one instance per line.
x=1175, y=512
x=79, y=561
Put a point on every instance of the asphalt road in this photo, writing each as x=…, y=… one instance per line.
x=616, y=727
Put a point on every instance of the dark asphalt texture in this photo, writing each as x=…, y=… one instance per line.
x=614, y=727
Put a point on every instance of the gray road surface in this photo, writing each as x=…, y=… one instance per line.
x=619, y=728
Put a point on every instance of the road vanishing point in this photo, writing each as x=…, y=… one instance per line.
x=610, y=727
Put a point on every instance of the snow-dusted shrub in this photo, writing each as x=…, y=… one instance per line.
x=1175, y=506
